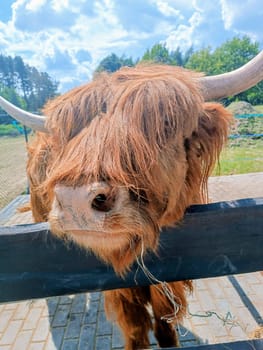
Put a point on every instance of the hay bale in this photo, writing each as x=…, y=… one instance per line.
x=241, y=107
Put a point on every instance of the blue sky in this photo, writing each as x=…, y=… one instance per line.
x=68, y=38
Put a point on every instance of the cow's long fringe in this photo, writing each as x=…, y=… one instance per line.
x=145, y=128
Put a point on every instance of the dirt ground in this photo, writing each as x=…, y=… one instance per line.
x=13, y=157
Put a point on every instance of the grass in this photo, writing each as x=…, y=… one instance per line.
x=8, y=130
x=240, y=157
x=243, y=155
x=259, y=108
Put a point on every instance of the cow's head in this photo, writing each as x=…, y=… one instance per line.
x=142, y=155
x=131, y=151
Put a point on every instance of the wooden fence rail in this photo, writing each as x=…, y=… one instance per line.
x=213, y=240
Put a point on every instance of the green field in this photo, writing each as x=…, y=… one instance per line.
x=244, y=154
x=241, y=156
x=259, y=108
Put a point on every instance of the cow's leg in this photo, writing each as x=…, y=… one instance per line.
x=128, y=308
x=164, y=331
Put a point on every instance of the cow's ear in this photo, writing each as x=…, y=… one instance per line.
x=213, y=128
x=204, y=146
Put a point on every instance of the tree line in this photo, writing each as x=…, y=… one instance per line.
x=24, y=85
x=229, y=56
x=29, y=89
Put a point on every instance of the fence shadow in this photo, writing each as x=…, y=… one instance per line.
x=79, y=321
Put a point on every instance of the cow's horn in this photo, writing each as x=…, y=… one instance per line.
x=33, y=121
x=232, y=83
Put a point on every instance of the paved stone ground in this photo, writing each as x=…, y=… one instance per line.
x=220, y=310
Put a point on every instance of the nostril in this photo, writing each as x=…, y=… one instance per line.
x=102, y=202
x=59, y=204
x=58, y=196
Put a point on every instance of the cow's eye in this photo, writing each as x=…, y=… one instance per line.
x=101, y=203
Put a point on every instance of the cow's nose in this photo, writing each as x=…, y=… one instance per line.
x=98, y=196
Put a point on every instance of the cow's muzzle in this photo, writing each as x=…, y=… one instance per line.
x=86, y=207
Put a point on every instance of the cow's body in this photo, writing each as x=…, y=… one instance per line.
x=125, y=156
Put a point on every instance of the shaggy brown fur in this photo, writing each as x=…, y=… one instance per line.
x=145, y=131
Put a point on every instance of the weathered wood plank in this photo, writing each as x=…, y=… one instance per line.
x=213, y=240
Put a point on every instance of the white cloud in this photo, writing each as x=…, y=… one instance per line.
x=35, y=5
x=168, y=10
x=195, y=20
x=184, y=35
x=59, y=5
x=243, y=17
x=228, y=13
x=68, y=38
x=105, y=11
x=197, y=6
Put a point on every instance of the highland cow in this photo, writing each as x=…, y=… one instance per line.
x=124, y=156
